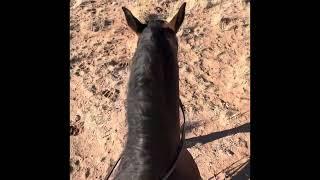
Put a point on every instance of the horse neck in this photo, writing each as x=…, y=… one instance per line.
x=153, y=113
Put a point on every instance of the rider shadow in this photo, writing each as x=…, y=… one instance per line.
x=243, y=174
x=217, y=135
x=238, y=172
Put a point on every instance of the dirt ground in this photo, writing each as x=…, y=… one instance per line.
x=214, y=60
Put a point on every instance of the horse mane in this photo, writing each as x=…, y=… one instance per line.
x=146, y=104
x=153, y=17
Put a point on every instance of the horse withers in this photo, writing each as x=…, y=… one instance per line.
x=151, y=150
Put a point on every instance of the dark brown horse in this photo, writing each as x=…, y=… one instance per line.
x=152, y=150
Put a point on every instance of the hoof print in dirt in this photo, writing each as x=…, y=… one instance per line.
x=111, y=63
x=116, y=69
x=74, y=131
x=103, y=159
x=74, y=166
x=92, y=10
x=187, y=31
x=77, y=73
x=87, y=173
x=224, y=22
x=77, y=129
x=107, y=23
x=158, y=9
x=111, y=94
x=78, y=117
x=122, y=65
x=106, y=93
x=115, y=95
x=93, y=89
x=73, y=61
x=227, y=24
x=84, y=3
x=95, y=27
x=75, y=27
x=100, y=24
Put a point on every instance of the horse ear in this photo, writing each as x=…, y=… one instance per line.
x=133, y=22
x=177, y=20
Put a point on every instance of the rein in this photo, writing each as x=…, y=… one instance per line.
x=180, y=147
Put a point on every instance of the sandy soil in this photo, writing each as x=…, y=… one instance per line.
x=214, y=60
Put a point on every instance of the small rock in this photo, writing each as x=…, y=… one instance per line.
x=107, y=23
x=230, y=153
x=87, y=173
x=93, y=89
x=95, y=28
x=78, y=117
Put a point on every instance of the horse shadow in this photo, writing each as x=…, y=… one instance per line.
x=241, y=172
x=217, y=135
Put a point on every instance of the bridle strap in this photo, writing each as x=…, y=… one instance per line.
x=180, y=147
x=109, y=174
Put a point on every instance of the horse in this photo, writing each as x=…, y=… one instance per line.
x=152, y=150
